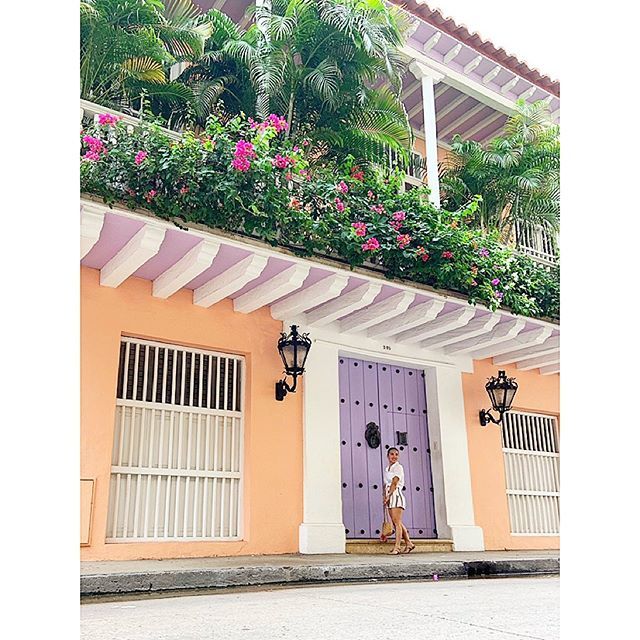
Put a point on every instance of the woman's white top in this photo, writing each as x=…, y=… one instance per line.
x=391, y=472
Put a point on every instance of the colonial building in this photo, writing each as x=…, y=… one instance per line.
x=187, y=453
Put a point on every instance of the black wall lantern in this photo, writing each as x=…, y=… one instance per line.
x=293, y=349
x=501, y=390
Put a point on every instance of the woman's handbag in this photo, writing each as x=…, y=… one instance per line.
x=387, y=527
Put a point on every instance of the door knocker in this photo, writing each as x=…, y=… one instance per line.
x=372, y=435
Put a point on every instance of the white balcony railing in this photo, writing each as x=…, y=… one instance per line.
x=89, y=111
x=537, y=241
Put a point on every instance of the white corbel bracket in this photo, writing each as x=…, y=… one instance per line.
x=420, y=70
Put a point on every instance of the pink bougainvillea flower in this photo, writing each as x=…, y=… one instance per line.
x=499, y=295
x=342, y=187
x=281, y=162
x=371, y=245
x=184, y=189
x=107, y=118
x=296, y=149
x=95, y=144
x=403, y=240
x=241, y=163
x=474, y=283
x=396, y=224
x=447, y=254
x=151, y=195
x=277, y=122
x=91, y=156
x=339, y=205
x=378, y=208
x=495, y=282
x=305, y=143
x=360, y=227
x=484, y=253
x=370, y=194
x=422, y=253
x=140, y=157
x=245, y=148
x=399, y=215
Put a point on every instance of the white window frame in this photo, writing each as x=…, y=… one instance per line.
x=131, y=472
x=532, y=476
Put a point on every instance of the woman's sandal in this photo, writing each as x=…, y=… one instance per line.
x=394, y=552
x=409, y=549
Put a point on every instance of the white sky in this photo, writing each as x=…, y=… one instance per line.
x=530, y=31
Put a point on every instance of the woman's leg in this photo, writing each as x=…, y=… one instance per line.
x=405, y=535
x=396, y=517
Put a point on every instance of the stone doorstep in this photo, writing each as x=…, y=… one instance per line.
x=377, y=546
x=409, y=567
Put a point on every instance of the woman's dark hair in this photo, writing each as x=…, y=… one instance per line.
x=392, y=449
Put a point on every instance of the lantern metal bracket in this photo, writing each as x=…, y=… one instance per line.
x=486, y=418
x=282, y=388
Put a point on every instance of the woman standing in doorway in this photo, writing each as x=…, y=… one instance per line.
x=394, y=500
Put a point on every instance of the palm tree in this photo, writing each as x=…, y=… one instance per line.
x=332, y=68
x=128, y=46
x=517, y=174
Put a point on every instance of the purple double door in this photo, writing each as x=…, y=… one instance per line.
x=389, y=400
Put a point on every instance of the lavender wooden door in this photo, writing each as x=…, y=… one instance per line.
x=393, y=398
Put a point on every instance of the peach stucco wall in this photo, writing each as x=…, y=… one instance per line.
x=536, y=393
x=273, y=430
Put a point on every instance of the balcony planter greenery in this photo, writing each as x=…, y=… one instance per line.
x=247, y=177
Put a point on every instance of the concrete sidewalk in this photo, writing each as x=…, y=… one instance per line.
x=156, y=576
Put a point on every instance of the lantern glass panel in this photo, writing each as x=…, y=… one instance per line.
x=303, y=352
x=510, y=393
x=492, y=396
x=289, y=356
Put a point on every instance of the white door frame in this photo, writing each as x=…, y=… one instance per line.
x=322, y=529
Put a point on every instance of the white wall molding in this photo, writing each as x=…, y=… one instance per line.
x=450, y=459
x=360, y=345
x=91, y=221
x=322, y=529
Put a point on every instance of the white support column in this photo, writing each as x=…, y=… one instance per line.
x=450, y=458
x=322, y=529
x=428, y=78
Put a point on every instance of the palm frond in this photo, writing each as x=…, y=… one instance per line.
x=145, y=69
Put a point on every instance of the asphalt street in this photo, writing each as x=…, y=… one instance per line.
x=496, y=609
